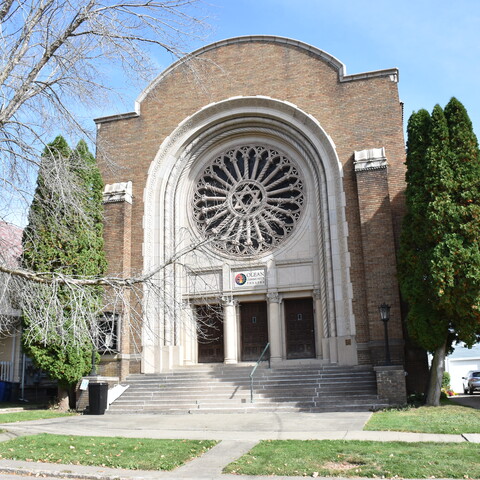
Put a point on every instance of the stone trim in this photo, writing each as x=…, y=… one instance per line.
x=371, y=159
x=118, y=192
x=114, y=118
x=274, y=297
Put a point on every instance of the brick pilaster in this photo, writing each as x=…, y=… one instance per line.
x=378, y=252
x=118, y=240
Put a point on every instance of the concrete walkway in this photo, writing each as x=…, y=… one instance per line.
x=237, y=434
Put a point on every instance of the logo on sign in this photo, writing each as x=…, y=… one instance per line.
x=240, y=279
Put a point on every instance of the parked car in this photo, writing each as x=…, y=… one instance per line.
x=471, y=382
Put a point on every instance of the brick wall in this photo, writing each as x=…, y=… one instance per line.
x=391, y=384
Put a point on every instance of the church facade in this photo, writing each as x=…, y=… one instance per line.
x=267, y=183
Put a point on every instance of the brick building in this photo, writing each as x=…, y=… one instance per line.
x=287, y=174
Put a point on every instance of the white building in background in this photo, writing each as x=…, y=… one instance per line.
x=460, y=362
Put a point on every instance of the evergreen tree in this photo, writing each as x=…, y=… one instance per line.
x=439, y=263
x=65, y=238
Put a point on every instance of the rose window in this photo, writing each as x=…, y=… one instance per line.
x=248, y=200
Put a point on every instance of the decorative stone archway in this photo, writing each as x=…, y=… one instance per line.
x=177, y=179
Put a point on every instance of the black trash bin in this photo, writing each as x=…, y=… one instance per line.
x=7, y=396
x=97, y=398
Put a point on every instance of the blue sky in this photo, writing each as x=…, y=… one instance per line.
x=434, y=43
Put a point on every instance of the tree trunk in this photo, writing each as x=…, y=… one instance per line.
x=72, y=397
x=63, y=402
x=436, y=376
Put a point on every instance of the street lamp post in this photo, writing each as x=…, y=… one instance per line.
x=385, y=317
x=94, y=373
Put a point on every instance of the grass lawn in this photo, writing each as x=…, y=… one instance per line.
x=360, y=459
x=25, y=415
x=447, y=418
x=131, y=453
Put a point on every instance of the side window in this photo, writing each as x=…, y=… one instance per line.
x=108, y=325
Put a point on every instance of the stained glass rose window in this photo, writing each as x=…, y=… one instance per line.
x=248, y=200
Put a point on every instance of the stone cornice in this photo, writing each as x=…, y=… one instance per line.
x=371, y=159
x=118, y=192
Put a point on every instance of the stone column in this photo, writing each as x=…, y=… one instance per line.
x=319, y=330
x=188, y=333
x=274, y=327
x=230, y=329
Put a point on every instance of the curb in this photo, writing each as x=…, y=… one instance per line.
x=44, y=473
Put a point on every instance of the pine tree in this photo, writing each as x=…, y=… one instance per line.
x=65, y=238
x=439, y=264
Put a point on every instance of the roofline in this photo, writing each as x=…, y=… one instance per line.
x=119, y=116
x=336, y=64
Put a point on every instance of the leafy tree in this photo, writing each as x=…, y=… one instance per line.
x=70, y=242
x=439, y=266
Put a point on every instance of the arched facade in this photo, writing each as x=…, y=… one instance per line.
x=275, y=188
x=169, y=202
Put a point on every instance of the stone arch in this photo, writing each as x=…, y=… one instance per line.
x=283, y=124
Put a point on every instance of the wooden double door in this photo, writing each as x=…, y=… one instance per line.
x=300, y=330
x=210, y=333
x=254, y=330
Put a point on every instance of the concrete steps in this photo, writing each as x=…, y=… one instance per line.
x=226, y=389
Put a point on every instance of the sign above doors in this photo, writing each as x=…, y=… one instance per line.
x=248, y=278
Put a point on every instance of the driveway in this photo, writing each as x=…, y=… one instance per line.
x=468, y=400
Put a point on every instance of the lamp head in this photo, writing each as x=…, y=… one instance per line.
x=384, y=312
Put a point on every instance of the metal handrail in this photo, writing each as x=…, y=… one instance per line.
x=267, y=346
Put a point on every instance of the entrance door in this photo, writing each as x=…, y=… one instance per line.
x=254, y=326
x=300, y=328
x=210, y=334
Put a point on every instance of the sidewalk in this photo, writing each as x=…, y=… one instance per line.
x=237, y=434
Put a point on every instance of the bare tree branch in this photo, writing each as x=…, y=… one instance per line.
x=54, y=56
x=57, y=279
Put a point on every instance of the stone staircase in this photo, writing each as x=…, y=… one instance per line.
x=226, y=389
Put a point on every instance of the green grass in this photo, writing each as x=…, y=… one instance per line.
x=360, y=459
x=26, y=415
x=447, y=418
x=114, y=452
